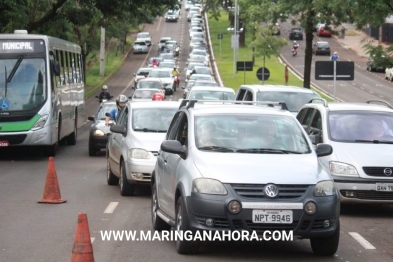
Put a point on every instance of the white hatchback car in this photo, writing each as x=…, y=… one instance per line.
x=136, y=138
x=144, y=36
x=361, y=135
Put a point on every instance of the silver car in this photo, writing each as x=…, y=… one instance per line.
x=235, y=167
x=135, y=141
x=362, y=137
x=140, y=47
x=164, y=74
x=144, y=36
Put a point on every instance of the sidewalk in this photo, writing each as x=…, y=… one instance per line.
x=353, y=39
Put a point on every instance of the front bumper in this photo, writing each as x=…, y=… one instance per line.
x=142, y=166
x=200, y=207
x=361, y=190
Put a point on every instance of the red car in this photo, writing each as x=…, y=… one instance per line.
x=324, y=31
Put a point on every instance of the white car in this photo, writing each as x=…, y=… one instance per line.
x=172, y=16
x=389, y=74
x=140, y=47
x=144, y=36
x=142, y=72
x=189, y=4
x=164, y=74
x=135, y=141
x=209, y=93
x=200, y=77
x=145, y=94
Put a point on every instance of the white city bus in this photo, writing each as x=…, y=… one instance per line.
x=41, y=91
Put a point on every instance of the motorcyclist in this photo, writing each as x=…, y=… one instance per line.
x=175, y=72
x=191, y=73
x=295, y=46
x=154, y=63
x=104, y=94
x=120, y=103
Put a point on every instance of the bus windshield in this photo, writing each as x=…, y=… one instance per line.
x=26, y=88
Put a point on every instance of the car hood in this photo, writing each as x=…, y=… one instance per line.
x=100, y=124
x=260, y=168
x=147, y=141
x=363, y=154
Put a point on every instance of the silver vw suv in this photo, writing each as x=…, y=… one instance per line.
x=238, y=167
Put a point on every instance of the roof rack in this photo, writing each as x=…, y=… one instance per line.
x=324, y=102
x=380, y=101
x=191, y=103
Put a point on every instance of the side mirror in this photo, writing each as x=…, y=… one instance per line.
x=134, y=74
x=133, y=87
x=96, y=96
x=91, y=118
x=321, y=150
x=119, y=129
x=175, y=147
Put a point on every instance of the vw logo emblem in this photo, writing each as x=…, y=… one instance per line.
x=387, y=171
x=271, y=190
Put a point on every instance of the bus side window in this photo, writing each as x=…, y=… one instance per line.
x=62, y=69
x=80, y=68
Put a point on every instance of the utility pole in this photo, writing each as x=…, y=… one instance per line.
x=102, y=51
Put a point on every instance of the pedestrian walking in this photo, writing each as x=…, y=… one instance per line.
x=334, y=57
x=343, y=32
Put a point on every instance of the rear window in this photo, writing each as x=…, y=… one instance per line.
x=323, y=44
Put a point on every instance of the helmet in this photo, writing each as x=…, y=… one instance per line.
x=174, y=67
x=335, y=53
x=104, y=88
x=158, y=97
x=121, y=99
x=294, y=42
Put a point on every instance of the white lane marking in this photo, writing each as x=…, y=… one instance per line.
x=362, y=241
x=111, y=207
x=92, y=239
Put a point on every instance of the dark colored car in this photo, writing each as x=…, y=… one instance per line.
x=321, y=48
x=99, y=132
x=296, y=33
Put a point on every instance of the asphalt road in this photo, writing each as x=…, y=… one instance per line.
x=45, y=232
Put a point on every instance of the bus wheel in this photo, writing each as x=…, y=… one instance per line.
x=71, y=139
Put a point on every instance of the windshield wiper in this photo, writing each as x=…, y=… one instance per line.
x=267, y=150
x=216, y=148
x=150, y=130
x=20, y=58
x=376, y=141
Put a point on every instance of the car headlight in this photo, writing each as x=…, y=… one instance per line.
x=41, y=122
x=342, y=169
x=98, y=132
x=138, y=153
x=208, y=186
x=325, y=188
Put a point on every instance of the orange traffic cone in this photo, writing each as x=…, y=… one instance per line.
x=52, y=190
x=82, y=250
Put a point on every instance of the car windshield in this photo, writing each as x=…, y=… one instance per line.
x=200, y=77
x=163, y=41
x=160, y=74
x=149, y=84
x=192, y=65
x=211, y=95
x=360, y=126
x=143, y=35
x=294, y=100
x=143, y=72
x=152, y=119
x=144, y=94
x=167, y=64
x=250, y=133
x=206, y=83
x=203, y=70
x=140, y=43
x=105, y=108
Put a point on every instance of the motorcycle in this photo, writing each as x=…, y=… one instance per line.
x=104, y=99
x=294, y=51
x=176, y=82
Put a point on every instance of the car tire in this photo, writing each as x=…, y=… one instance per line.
x=158, y=223
x=326, y=246
x=111, y=179
x=92, y=151
x=182, y=224
x=126, y=189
